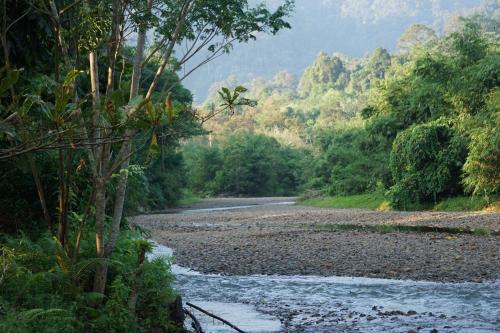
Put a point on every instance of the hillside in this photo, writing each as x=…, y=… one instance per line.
x=355, y=28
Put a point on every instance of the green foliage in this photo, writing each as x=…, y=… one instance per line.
x=202, y=163
x=375, y=201
x=330, y=91
x=188, y=198
x=378, y=201
x=65, y=133
x=350, y=111
x=482, y=167
x=42, y=290
x=351, y=161
x=461, y=203
x=425, y=162
x=117, y=315
x=244, y=164
x=416, y=34
x=469, y=43
x=249, y=165
x=323, y=73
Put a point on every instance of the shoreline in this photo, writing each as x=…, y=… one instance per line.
x=271, y=240
x=360, y=280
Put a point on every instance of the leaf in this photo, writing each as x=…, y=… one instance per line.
x=28, y=103
x=62, y=259
x=154, y=140
x=226, y=92
x=136, y=101
x=150, y=111
x=9, y=80
x=117, y=98
x=7, y=130
x=32, y=314
x=240, y=89
x=71, y=77
x=92, y=296
x=85, y=267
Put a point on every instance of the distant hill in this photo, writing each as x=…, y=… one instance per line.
x=353, y=27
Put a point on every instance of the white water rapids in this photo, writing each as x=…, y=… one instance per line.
x=338, y=304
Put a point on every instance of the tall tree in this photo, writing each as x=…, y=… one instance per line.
x=92, y=114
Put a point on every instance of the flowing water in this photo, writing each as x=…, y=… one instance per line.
x=338, y=304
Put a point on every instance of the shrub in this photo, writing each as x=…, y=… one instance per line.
x=39, y=293
x=246, y=164
x=482, y=167
x=425, y=163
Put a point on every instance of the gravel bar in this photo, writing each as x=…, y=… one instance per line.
x=269, y=238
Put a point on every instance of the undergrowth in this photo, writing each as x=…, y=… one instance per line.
x=43, y=290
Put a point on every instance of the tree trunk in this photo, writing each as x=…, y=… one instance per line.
x=62, y=233
x=99, y=171
x=121, y=188
x=134, y=292
x=113, y=45
x=101, y=273
x=139, y=55
x=59, y=46
x=40, y=191
x=134, y=92
x=96, y=103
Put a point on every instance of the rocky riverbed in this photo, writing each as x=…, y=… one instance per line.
x=261, y=236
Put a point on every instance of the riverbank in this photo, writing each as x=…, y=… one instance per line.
x=377, y=201
x=268, y=238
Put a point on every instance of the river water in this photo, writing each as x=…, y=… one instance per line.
x=338, y=304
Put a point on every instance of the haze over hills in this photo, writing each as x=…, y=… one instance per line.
x=352, y=27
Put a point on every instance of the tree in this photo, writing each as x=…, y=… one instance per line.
x=482, y=166
x=324, y=72
x=94, y=115
x=426, y=161
x=416, y=34
x=374, y=69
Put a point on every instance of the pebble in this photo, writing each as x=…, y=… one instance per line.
x=202, y=240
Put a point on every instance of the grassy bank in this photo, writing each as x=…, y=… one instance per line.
x=465, y=204
x=188, y=198
x=377, y=201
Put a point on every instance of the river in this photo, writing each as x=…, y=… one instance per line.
x=338, y=304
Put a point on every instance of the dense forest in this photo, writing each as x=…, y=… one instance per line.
x=354, y=27
x=418, y=125
x=91, y=115
x=96, y=125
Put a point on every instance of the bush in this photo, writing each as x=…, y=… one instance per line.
x=201, y=163
x=250, y=165
x=482, y=167
x=166, y=180
x=245, y=164
x=425, y=163
x=352, y=161
x=41, y=290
